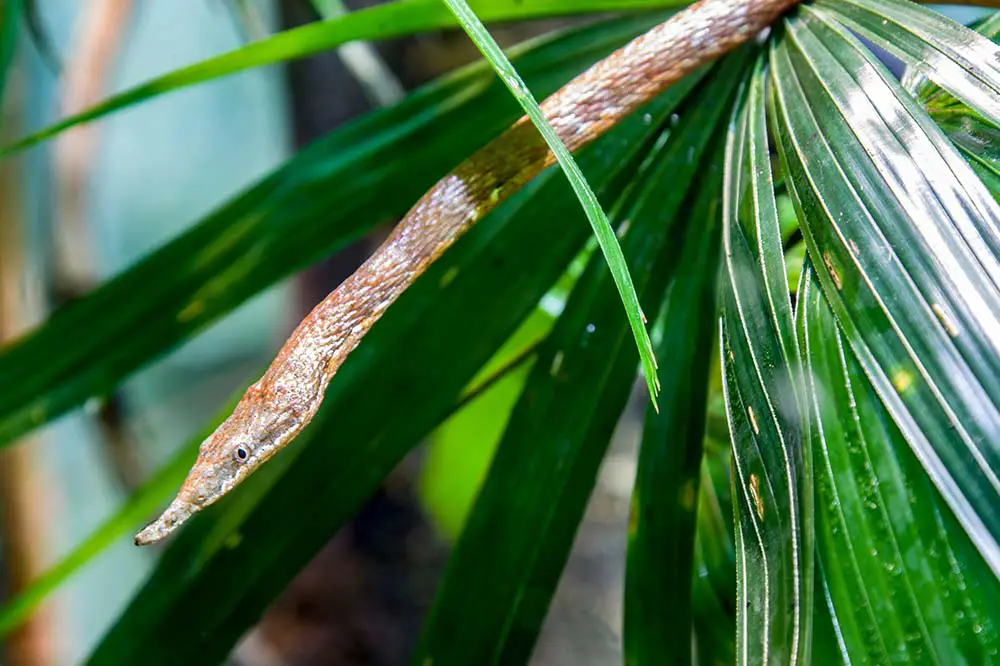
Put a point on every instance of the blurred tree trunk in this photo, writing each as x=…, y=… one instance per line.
x=22, y=498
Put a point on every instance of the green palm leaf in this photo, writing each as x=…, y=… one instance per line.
x=605, y=235
x=760, y=365
x=658, y=613
x=906, y=584
x=327, y=195
x=859, y=324
x=392, y=19
x=713, y=587
x=217, y=577
x=896, y=259
x=495, y=596
x=10, y=17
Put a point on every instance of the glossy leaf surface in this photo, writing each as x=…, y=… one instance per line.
x=605, y=235
x=660, y=559
x=495, y=596
x=368, y=172
x=384, y=21
x=772, y=489
x=905, y=582
x=218, y=575
x=900, y=227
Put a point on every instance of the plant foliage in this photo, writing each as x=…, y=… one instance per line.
x=825, y=489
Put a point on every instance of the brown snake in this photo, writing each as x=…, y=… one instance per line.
x=276, y=408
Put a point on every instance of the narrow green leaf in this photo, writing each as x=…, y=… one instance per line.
x=363, y=61
x=976, y=137
x=507, y=562
x=663, y=515
x=330, y=193
x=10, y=16
x=509, y=363
x=900, y=227
x=930, y=93
x=392, y=19
x=123, y=522
x=828, y=634
x=953, y=69
x=459, y=452
x=958, y=59
x=595, y=214
x=918, y=85
x=220, y=573
x=773, y=488
x=905, y=582
x=713, y=588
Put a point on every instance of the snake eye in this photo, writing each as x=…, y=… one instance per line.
x=241, y=453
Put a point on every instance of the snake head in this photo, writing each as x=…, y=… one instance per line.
x=261, y=424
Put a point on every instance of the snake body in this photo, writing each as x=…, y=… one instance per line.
x=277, y=407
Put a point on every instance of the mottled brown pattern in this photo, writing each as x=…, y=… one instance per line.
x=278, y=407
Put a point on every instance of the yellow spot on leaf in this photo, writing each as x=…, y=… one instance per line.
x=834, y=275
x=753, y=420
x=193, y=309
x=755, y=495
x=946, y=321
x=449, y=276
x=633, y=516
x=556, y=364
x=688, y=495
x=902, y=380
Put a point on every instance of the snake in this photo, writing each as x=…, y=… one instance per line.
x=276, y=408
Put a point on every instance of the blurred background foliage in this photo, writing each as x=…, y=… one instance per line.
x=811, y=226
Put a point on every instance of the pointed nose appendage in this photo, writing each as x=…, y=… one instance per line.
x=178, y=512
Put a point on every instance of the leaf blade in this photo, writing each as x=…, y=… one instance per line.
x=226, y=566
x=772, y=483
x=605, y=235
x=958, y=59
x=394, y=19
x=535, y=496
x=904, y=581
x=867, y=219
x=125, y=520
x=324, y=197
x=664, y=511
